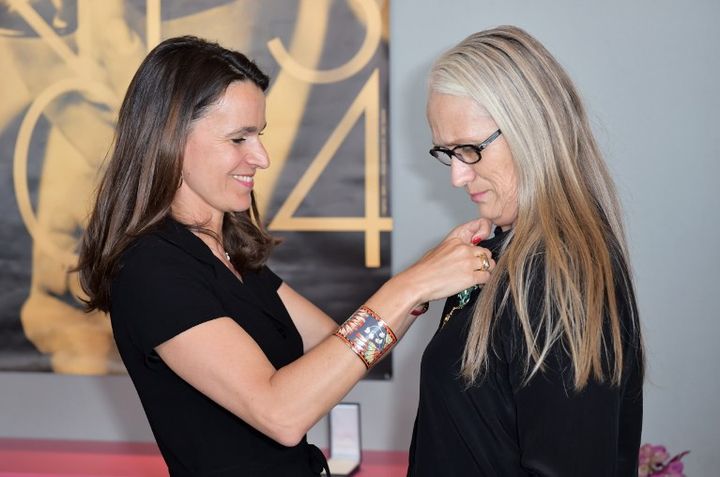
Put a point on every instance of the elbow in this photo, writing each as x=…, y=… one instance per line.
x=284, y=430
x=288, y=438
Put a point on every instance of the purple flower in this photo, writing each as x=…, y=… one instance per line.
x=654, y=461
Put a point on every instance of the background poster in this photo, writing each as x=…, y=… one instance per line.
x=65, y=66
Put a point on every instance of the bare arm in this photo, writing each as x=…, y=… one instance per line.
x=313, y=324
x=222, y=361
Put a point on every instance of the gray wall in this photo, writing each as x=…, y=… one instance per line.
x=649, y=72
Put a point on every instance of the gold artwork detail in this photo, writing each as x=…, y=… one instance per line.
x=367, y=102
x=373, y=20
x=73, y=85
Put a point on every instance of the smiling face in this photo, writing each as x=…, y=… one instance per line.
x=490, y=183
x=222, y=153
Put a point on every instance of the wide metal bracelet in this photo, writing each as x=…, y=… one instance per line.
x=367, y=335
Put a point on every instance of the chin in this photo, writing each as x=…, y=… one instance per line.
x=484, y=213
x=239, y=204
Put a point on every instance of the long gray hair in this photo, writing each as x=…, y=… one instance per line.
x=568, y=212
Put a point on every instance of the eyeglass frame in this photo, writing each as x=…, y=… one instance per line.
x=477, y=148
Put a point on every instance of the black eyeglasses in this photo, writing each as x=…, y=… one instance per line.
x=467, y=153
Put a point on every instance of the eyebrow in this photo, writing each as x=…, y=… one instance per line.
x=246, y=130
x=457, y=143
x=463, y=141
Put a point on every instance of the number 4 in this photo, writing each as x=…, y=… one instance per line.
x=367, y=102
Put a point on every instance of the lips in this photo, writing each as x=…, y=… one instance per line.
x=247, y=181
x=478, y=197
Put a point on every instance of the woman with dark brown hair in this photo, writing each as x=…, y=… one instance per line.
x=231, y=364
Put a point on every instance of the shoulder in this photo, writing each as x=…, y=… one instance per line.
x=153, y=254
x=160, y=291
x=147, y=247
x=168, y=244
x=153, y=263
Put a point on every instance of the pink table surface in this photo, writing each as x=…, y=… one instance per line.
x=56, y=458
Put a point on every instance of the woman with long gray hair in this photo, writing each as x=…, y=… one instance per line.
x=540, y=371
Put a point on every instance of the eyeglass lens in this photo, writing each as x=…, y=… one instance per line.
x=465, y=154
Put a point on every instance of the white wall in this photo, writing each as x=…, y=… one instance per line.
x=649, y=71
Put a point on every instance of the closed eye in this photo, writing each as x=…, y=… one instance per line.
x=238, y=140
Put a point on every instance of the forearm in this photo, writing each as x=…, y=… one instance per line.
x=301, y=393
x=305, y=390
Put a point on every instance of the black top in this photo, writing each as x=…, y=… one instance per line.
x=170, y=281
x=498, y=427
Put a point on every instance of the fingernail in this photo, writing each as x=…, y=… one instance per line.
x=476, y=240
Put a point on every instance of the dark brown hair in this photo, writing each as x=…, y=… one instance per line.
x=175, y=84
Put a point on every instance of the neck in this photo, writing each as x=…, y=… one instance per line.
x=214, y=244
x=209, y=220
x=211, y=225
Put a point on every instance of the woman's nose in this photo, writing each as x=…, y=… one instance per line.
x=259, y=157
x=460, y=173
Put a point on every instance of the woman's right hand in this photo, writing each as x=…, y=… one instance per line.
x=453, y=265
